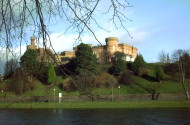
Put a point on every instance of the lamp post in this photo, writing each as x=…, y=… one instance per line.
x=118, y=93
x=54, y=95
x=2, y=95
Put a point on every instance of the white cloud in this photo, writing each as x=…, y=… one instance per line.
x=138, y=36
x=62, y=42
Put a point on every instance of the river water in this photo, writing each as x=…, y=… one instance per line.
x=155, y=116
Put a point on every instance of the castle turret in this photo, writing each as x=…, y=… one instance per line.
x=32, y=46
x=32, y=40
x=112, y=44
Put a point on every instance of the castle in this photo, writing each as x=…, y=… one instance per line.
x=109, y=50
x=44, y=55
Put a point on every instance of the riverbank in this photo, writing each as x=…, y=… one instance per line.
x=121, y=104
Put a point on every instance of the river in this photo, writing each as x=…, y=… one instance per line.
x=155, y=116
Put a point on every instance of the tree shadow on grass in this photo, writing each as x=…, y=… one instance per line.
x=150, y=78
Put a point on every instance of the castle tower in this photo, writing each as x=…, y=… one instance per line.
x=32, y=40
x=32, y=46
x=112, y=44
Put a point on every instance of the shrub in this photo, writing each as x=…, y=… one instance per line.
x=84, y=82
x=125, y=77
x=138, y=64
x=19, y=83
x=69, y=86
x=129, y=65
x=159, y=73
x=105, y=80
x=142, y=72
x=51, y=74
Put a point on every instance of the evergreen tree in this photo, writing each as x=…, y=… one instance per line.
x=159, y=73
x=119, y=66
x=29, y=61
x=85, y=59
x=51, y=74
x=138, y=64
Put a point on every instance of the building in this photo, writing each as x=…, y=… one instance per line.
x=44, y=55
x=106, y=51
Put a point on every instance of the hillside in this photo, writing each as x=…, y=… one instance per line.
x=138, y=85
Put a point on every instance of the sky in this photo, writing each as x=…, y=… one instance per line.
x=156, y=25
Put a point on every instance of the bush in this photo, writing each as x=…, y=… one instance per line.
x=159, y=73
x=138, y=64
x=129, y=65
x=51, y=74
x=118, y=66
x=142, y=72
x=84, y=82
x=105, y=80
x=126, y=77
x=19, y=83
x=69, y=86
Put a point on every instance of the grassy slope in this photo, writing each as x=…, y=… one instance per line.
x=170, y=85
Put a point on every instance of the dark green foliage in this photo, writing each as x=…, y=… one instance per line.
x=126, y=77
x=119, y=55
x=159, y=73
x=138, y=64
x=29, y=61
x=129, y=65
x=69, y=85
x=51, y=74
x=143, y=72
x=70, y=67
x=85, y=59
x=105, y=80
x=42, y=74
x=85, y=83
x=185, y=62
x=19, y=82
x=172, y=69
x=118, y=66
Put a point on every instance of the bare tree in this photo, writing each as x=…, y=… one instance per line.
x=18, y=16
x=10, y=66
x=182, y=59
x=162, y=57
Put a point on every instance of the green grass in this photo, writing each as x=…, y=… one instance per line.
x=169, y=85
x=121, y=104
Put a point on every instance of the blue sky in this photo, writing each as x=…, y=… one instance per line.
x=156, y=25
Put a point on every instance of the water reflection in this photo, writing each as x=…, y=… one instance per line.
x=163, y=116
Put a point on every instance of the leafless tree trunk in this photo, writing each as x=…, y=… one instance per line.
x=177, y=58
x=20, y=16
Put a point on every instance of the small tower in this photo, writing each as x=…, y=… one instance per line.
x=32, y=46
x=32, y=40
x=112, y=44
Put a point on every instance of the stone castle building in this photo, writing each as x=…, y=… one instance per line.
x=44, y=55
x=109, y=49
x=106, y=51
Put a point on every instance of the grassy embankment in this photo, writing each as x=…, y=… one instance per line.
x=88, y=105
x=170, y=85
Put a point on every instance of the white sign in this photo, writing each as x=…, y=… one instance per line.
x=60, y=95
